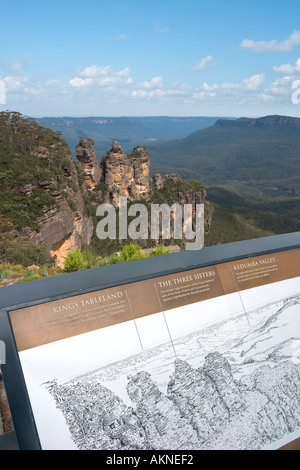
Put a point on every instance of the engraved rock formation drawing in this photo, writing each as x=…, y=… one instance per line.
x=204, y=408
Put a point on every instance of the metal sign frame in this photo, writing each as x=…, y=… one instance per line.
x=68, y=285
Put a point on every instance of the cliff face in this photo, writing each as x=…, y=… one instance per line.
x=63, y=229
x=63, y=225
x=275, y=120
x=42, y=199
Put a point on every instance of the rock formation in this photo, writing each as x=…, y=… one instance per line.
x=92, y=172
x=180, y=191
x=126, y=175
x=129, y=176
x=158, y=181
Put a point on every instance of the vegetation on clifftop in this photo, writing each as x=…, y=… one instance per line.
x=24, y=169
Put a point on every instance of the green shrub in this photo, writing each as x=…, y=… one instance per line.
x=27, y=253
x=102, y=262
x=159, y=250
x=132, y=252
x=34, y=277
x=91, y=259
x=115, y=259
x=71, y=205
x=75, y=261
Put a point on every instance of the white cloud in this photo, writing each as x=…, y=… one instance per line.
x=143, y=94
x=80, y=82
x=156, y=89
x=259, y=47
x=204, y=64
x=96, y=75
x=114, y=90
x=253, y=83
x=95, y=71
x=162, y=29
x=245, y=90
x=288, y=69
x=15, y=83
x=266, y=98
x=16, y=67
x=156, y=82
x=280, y=87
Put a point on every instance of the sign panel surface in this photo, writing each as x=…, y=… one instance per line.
x=202, y=359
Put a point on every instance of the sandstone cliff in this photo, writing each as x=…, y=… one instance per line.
x=42, y=199
x=63, y=226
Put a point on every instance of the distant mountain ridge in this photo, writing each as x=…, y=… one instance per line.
x=273, y=120
x=262, y=152
x=129, y=131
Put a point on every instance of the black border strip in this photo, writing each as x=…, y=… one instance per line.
x=16, y=390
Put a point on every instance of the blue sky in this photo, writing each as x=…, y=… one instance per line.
x=138, y=58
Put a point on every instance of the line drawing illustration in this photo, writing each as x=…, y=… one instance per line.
x=234, y=384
